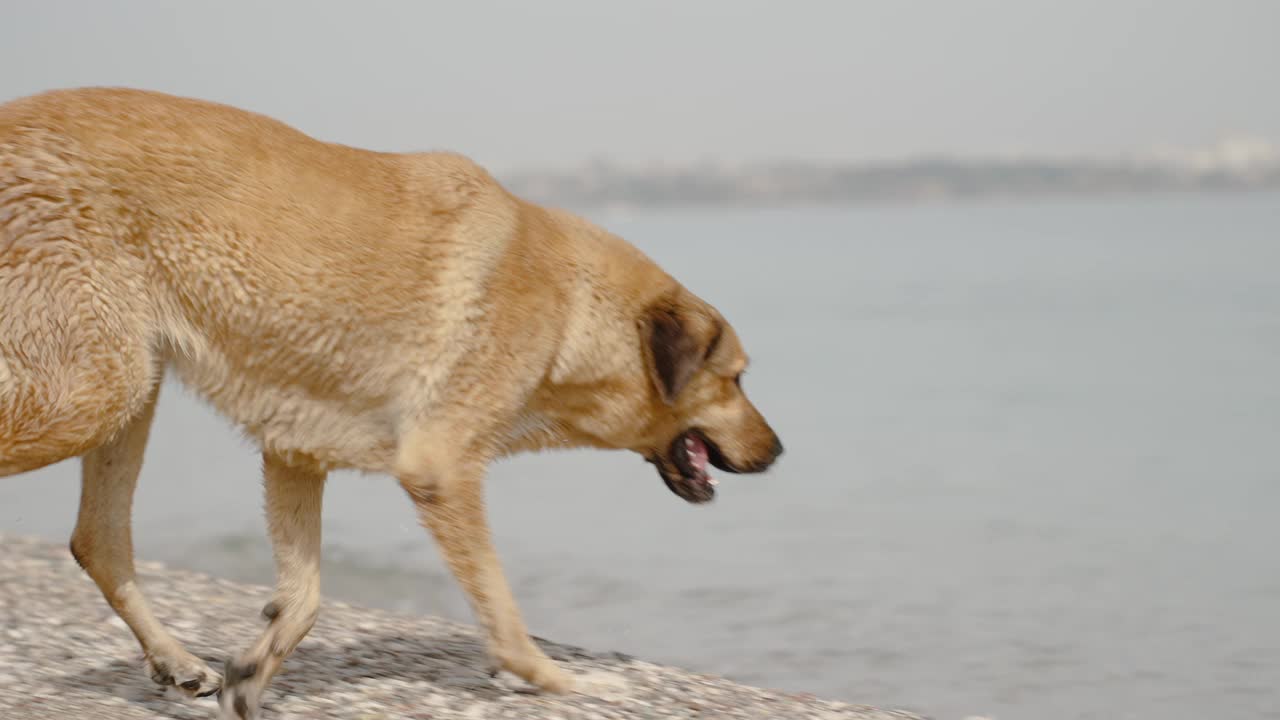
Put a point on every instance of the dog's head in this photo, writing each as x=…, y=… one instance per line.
x=642, y=364
x=696, y=411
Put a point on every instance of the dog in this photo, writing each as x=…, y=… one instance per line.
x=391, y=313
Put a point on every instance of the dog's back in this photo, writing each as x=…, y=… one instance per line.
x=271, y=269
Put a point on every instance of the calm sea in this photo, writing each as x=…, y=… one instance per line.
x=1033, y=470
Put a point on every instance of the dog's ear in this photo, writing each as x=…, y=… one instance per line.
x=674, y=349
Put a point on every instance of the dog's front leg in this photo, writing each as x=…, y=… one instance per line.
x=449, y=496
x=293, y=495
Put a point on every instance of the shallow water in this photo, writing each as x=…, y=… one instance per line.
x=1031, y=470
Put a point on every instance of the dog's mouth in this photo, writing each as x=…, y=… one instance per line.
x=684, y=467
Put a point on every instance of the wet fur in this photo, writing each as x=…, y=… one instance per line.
x=393, y=313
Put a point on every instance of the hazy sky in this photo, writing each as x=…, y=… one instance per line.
x=556, y=83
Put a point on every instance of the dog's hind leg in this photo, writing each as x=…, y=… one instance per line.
x=103, y=545
x=294, y=495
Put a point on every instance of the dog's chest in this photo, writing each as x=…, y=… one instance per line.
x=343, y=428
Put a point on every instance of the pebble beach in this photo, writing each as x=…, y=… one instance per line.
x=64, y=654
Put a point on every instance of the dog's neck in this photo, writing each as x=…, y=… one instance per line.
x=603, y=298
x=605, y=286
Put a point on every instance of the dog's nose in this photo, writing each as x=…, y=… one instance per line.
x=763, y=462
x=774, y=453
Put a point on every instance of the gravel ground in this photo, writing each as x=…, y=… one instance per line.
x=64, y=654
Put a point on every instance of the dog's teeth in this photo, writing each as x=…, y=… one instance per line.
x=712, y=481
x=688, y=443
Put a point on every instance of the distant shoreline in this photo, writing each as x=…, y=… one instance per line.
x=1231, y=168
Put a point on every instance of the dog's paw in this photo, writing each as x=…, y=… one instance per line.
x=535, y=668
x=241, y=691
x=184, y=672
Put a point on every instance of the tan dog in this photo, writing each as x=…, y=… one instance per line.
x=393, y=313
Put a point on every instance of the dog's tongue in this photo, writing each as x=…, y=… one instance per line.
x=697, y=453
